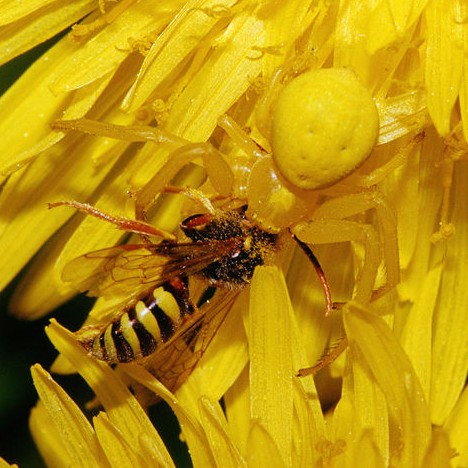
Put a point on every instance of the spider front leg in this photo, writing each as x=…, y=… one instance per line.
x=350, y=205
x=218, y=171
x=334, y=231
x=326, y=231
x=328, y=225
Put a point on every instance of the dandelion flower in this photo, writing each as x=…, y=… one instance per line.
x=139, y=97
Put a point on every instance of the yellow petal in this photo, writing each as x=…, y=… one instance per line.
x=224, y=77
x=379, y=350
x=5, y=464
x=47, y=437
x=216, y=429
x=428, y=205
x=27, y=24
x=284, y=23
x=416, y=338
x=27, y=115
x=391, y=20
x=456, y=430
x=443, y=60
x=271, y=365
x=192, y=430
x=117, y=449
x=262, y=451
x=449, y=349
x=122, y=408
x=366, y=452
x=464, y=89
x=439, y=452
x=350, y=49
x=81, y=443
x=184, y=34
x=11, y=11
x=102, y=54
x=361, y=416
x=309, y=424
x=237, y=402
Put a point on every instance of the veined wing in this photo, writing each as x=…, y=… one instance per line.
x=174, y=361
x=128, y=269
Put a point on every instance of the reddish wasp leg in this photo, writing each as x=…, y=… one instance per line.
x=331, y=355
x=321, y=275
x=130, y=225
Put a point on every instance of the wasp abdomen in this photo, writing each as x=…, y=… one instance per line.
x=144, y=325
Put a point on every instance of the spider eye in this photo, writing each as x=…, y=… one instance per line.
x=325, y=124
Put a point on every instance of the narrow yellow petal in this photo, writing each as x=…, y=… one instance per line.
x=271, y=366
x=27, y=223
x=224, y=77
x=443, y=60
x=26, y=24
x=5, y=464
x=309, y=424
x=439, y=452
x=404, y=183
x=192, y=430
x=429, y=202
x=366, y=452
x=416, y=338
x=27, y=115
x=391, y=20
x=361, y=414
x=284, y=24
x=216, y=429
x=350, y=49
x=371, y=409
x=81, y=443
x=450, y=350
x=47, y=437
x=11, y=11
x=122, y=408
x=392, y=371
x=184, y=33
x=237, y=402
x=464, y=81
x=456, y=430
x=262, y=451
x=109, y=48
x=116, y=448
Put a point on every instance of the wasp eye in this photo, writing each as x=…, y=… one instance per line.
x=196, y=222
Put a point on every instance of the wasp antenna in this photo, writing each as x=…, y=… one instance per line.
x=130, y=225
x=330, y=355
x=321, y=275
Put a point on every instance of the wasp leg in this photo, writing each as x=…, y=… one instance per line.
x=130, y=225
x=320, y=273
x=330, y=356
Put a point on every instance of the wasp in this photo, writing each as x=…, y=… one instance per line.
x=158, y=317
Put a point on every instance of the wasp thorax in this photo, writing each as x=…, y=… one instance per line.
x=236, y=268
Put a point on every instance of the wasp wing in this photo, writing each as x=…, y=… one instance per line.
x=174, y=361
x=127, y=270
